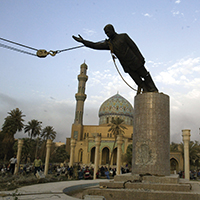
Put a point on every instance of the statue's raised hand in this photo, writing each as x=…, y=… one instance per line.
x=78, y=39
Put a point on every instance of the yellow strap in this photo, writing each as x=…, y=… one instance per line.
x=113, y=57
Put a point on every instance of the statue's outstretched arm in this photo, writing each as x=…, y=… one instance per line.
x=93, y=45
x=78, y=39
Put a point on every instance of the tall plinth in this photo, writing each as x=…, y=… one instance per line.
x=151, y=134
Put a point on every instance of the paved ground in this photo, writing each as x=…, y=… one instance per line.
x=47, y=191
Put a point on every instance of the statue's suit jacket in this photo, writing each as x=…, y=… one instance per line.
x=124, y=48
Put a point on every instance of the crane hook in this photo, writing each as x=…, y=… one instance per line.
x=42, y=53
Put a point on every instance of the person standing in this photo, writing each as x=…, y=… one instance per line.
x=37, y=165
x=13, y=161
x=107, y=174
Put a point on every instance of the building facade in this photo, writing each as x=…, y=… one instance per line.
x=81, y=145
x=82, y=142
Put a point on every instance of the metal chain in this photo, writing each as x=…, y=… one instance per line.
x=41, y=53
x=15, y=49
x=19, y=44
x=59, y=51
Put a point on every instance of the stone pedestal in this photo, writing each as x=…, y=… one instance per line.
x=186, y=140
x=73, y=144
x=151, y=134
x=19, y=151
x=96, y=162
x=48, y=146
x=135, y=187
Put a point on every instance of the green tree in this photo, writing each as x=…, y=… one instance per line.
x=116, y=128
x=33, y=128
x=2, y=135
x=174, y=147
x=13, y=123
x=48, y=133
x=128, y=155
x=59, y=154
x=28, y=149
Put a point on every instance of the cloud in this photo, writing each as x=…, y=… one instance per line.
x=178, y=1
x=184, y=72
x=181, y=81
x=177, y=13
x=89, y=32
x=58, y=114
x=147, y=15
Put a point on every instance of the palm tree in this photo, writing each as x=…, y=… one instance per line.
x=48, y=133
x=116, y=129
x=33, y=128
x=174, y=147
x=13, y=123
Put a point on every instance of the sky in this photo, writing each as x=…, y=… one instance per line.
x=166, y=32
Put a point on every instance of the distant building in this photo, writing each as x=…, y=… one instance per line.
x=58, y=144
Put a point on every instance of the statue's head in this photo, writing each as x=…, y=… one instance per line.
x=109, y=30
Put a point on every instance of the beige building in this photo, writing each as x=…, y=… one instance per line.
x=81, y=145
x=83, y=136
x=176, y=162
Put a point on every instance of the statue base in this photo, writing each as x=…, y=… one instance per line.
x=151, y=134
x=136, y=187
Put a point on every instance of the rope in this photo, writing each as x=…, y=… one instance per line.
x=113, y=57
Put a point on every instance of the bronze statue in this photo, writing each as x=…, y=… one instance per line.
x=128, y=54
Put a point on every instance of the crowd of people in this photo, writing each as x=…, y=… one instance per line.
x=194, y=174
x=77, y=172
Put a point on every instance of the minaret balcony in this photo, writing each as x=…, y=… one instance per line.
x=80, y=97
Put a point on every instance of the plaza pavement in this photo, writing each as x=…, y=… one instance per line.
x=47, y=191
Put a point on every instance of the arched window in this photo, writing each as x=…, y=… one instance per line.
x=107, y=120
x=80, y=156
x=105, y=156
x=115, y=156
x=174, y=165
x=92, y=155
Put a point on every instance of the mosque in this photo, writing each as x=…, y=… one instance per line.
x=81, y=145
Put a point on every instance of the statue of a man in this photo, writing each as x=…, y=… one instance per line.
x=128, y=54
